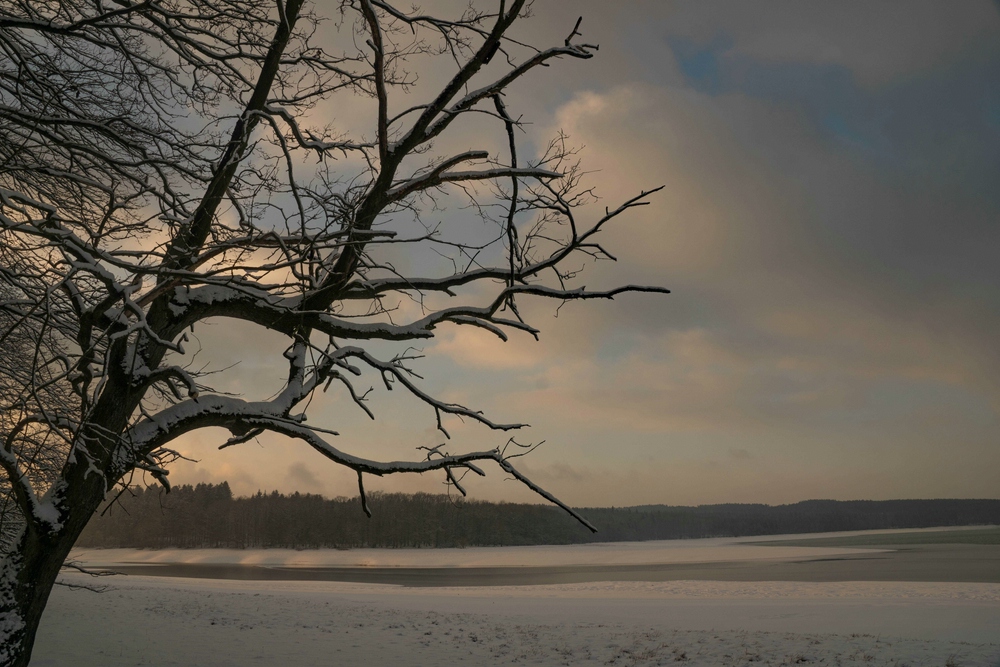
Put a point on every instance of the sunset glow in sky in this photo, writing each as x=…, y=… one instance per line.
x=830, y=231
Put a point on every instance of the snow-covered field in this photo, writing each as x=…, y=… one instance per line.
x=142, y=620
x=160, y=621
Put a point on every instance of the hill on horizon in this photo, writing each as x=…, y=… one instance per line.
x=209, y=515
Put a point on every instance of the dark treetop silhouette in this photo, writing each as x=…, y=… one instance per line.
x=208, y=515
x=160, y=164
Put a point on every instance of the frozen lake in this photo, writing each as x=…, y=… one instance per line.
x=717, y=559
x=608, y=553
x=706, y=620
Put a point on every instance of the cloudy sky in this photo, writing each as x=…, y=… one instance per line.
x=829, y=227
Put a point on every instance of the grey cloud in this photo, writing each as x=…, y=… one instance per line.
x=745, y=233
x=302, y=477
x=878, y=42
x=836, y=292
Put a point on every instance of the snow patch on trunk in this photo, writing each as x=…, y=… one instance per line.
x=11, y=623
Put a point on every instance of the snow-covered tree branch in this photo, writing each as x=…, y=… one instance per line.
x=168, y=162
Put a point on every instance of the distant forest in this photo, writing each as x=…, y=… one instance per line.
x=209, y=515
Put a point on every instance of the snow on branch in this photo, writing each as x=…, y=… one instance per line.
x=164, y=166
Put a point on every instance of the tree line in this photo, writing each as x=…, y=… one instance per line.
x=210, y=515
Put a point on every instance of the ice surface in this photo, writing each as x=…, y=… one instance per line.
x=174, y=621
x=608, y=553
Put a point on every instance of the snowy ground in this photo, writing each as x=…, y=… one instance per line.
x=160, y=621
x=143, y=620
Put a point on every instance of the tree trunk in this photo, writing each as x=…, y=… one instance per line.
x=28, y=573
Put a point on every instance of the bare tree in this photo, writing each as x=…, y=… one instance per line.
x=161, y=164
